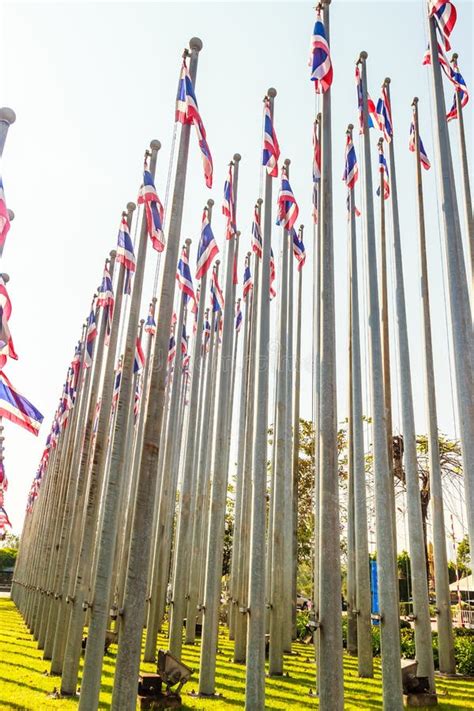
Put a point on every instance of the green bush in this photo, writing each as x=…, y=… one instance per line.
x=463, y=632
x=407, y=643
x=302, y=619
x=376, y=640
x=7, y=557
x=464, y=655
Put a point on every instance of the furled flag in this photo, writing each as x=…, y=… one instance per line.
x=272, y=275
x=383, y=170
x=248, y=281
x=384, y=115
x=316, y=171
x=17, y=408
x=461, y=89
x=373, y=118
x=184, y=278
x=320, y=60
x=206, y=333
x=217, y=297
x=4, y=218
x=117, y=382
x=445, y=16
x=136, y=402
x=184, y=340
x=105, y=299
x=256, y=233
x=187, y=112
x=7, y=349
x=298, y=249
x=228, y=206
x=271, y=149
x=287, y=208
x=125, y=254
x=4, y=520
x=351, y=171
x=207, y=248
x=91, y=334
x=171, y=349
x=3, y=477
x=150, y=324
x=139, y=360
x=153, y=210
x=424, y=160
x=238, y=316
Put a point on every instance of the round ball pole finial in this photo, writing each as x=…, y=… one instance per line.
x=415, y=101
x=154, y=300
x=259, y=201
x=218, y=261
x=301, y=228
x=11, y=214
x=238, y=233
x=142, y=321
x=380, y=142
x=5, y=277
x=131, y=206
x=350, y=127
x=7, y=115
x=287, y=162
x=455, y=56
x=210, y=202
x=363, y=56
x=195, y=44
x=187, y=242
x=249, y=254
x=271, y=92
x=237, y=157
x=386, y=81
x=112, y=254
x=155, y=145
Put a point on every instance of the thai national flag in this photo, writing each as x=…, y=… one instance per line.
x=217, y=297
x=4, y=520
x=207, y=248
x=384, y=115
x=316, y=171
x=373, y=118
x=445, y=15
x=4, y=219
x=91, y=334
x=150, y=325
x=228, y=206
x=125, y=254
x=383, y=170
x=7, y=349
x=248, y=282
x=272, y=275
x=184, y=278
x=105, y=299
x=351, y=171
x=320, y=61
x=3, y=477
x=153, y=209
x=139, y=360
x=424, y=160
x=206, y=333
x=238, y=317
x=17, y=408
x=298, y=249
x=184, y=340
x=171, y=349
x=271, y=149
x=461, y=88
x=187, y=112
x=256, y=233
x=117, y=383
x=287, y=208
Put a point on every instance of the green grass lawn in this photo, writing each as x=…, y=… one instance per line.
x=26, y=684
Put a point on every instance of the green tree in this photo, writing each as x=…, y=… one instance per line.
x=7, y=557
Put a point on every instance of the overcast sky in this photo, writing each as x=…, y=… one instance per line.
x=93, y=83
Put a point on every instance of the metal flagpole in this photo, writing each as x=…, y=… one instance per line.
x=7, y=117
x=289, y=604
x=461, y=321
x=443, y=601
x=255, y=671
x=351, y=544
x=364, y=632
x=92, y=461
x=219, y=478
x=128, y=658
x=387, y=576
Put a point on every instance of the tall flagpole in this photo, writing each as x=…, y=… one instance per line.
x=7, y=117
x=387, y=577
x=423, y=643
x=351, y=543
x=443, y=600
x=461, y=320
x=255, y=671
x=219, y=479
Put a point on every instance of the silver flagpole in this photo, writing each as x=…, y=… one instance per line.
x=351, y=544
x=423, y=643
x=387, y=577
x=7, y=117
x=443, y=601
x=461, y=319
x=255, y=671
x=289, y=605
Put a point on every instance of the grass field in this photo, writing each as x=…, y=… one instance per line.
x=26, y=684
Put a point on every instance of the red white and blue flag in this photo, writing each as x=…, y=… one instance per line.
x=3, y=477
x=461, y=89
x=424, y=160
x=271, y=149
x=351, y=171
x=153, y=210
x=117, y=382
x=316, y=171
x=248, y=281
x=217, y=297
x=445, y=16
x=257, y=244
x=105, y=299
x=7, y=349
x=287, y=208
x=384, y=115
x=383, y=170
x=4, y=520
x=206, y=333
x=4, y=218
x=139, y=360
x=125, y=254
x=299, y=251
x=184, y=340
x=17, y=408
x=184, y=278
x=373, y=118
x=187, y=112
x=238, y=317
x=272, y=275
x=228, y=206
x=171, y=348
x=91, y=334
x=320, y=60
x=150, y=324
x=207, y=248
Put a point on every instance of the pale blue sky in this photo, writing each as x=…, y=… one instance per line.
x=93, y=83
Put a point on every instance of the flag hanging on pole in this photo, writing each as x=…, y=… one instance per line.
x=272, y=275
x=154, y=210
x=184, y=278
x=461, y=89
x=117, y=382
x=299, y=251
x=411, y=145
x=248, y=282
x=91, y=334
x=287, y=207
x=4, y=218
x=187, y=112
x=384, y=115
x=17, y=408
x=206, y=328
x=320, y=60
x=238, y=317
x=316, y=171
x=125, y=254
x=228, y=206
x=351, y=170
x=105, y=299
x=207, y=248
x=3, y=477
x=184, y=340
x=217, y=297
x=373, y=118
x=139, y=360
x=4, y=520
x=171, y=348
x=271, y=149
x=445, y=16
x=383, y=170
x=256, y=233
x=7, y=349
x=150, y=324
